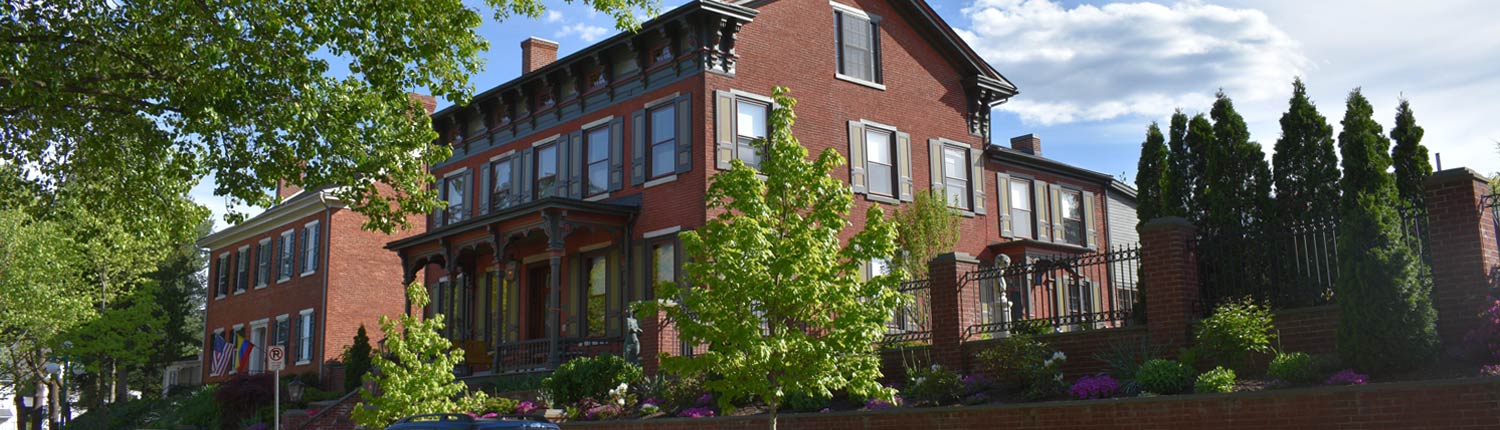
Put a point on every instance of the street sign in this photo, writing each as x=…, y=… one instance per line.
x=276, y=358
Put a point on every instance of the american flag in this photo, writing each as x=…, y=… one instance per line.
x=223, y=355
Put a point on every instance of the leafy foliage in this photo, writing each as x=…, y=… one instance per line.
x=1151, y=176
x=1164, y=376
x=1306, y=168
x=240, y=397
x=1217, y=380
x=1387, y=320
x=415, y=374
x=1199, y=138
x=776, y=293
x=1294, y=367
x=1234, y=330
x=803, y=402
x=1007, y=360
x=1409, y=157
x=1238, y=190
x=935, y=385
x=1124, y=357
x=357, y=360
x=925, y=228
x=1184, y=171
x=589, y=377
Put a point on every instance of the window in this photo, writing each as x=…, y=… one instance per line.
x=1071, y=205
x=664, y=266
x=500, y=194
x=1020, y=207
x=242, y=269
x=956, y=176
x=282, y=331
x=596, y=157
x=221, y=283
x=880, y=161
x=309, y=248
x=258, y=344
x=546, y=171
x=454, y=191
x=858, y=45
x=596, y=278
x=663, y=132
x=284, y=264
x=263, y=263
x=750, y=124
x=305, y=337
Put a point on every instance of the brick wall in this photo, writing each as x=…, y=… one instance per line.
x=1449, y=404
x=1311, y=330
x=1464, y=254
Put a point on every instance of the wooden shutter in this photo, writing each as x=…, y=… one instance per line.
x=875, y=69
x=1041, y=210
x=316, y=241
x=616, y=154
x=638, y=147
x=976, y=180
x=468, y=191
x=684, y=136
x=724, y=129
x=1058, y=232
x=517, y=163
x=570, y=166
x=857, y=156
x=528, y=174
x=1002, y=196
x=903, y=163
x=1089, y=237
x=434, y=221
x=935, y=167
x=637, y=257
x=486, y=184
x=298, y=265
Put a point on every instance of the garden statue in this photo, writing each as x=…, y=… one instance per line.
x=1002, y=298
x=632, y=340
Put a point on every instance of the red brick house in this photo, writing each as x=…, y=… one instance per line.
x=568, y=185
x=303, y=275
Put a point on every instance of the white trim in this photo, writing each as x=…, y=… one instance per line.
x=661, y=101
x=661, y=232
x=236, y=328
x=849, y=9
x=261, y=282
x=859, y=81
x=305, y=314
x=596, y=247
x=546, y=140
x=273, y=218
x=283, y=317
x=307, y=311
x=597, y=197
x=260, y=323
x=443, y=279
x=597, y=122
x=456, y=172
x=505, y=154
x=659, y=181
x=886, y=127
x=319, y=244
x=753, y=96
x=288, y=236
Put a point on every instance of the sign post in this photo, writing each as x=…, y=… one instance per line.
x=275, y=361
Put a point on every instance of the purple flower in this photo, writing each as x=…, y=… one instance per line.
x=605, y=411
x=698, y=412
x=1094, y=387
x=527, y=407
x=1348, y=377
x=705, y=399
x=1490, y=370
x=977, y=399
x=490, y=415
x=652, y=400
x=877, y=403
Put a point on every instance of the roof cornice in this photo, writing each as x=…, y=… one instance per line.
x=298, y=207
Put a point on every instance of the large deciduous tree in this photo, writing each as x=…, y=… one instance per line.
x=772, y=290
x=1409, y=156
x=414, y=374
x=249, y=91
x=1151, y=176
x=1306, y=168
x=1387, y=321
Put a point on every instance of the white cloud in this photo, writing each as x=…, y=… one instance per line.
x=1095, y=63
x=553, y=16
x=585, y=32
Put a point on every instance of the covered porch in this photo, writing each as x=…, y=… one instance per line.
x=532, y=286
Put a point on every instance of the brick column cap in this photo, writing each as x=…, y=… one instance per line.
x=1167, y=223
x=1455, y=175
x=960, y=257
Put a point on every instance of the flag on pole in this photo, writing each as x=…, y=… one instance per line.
x=244, y=357
x=222, y=355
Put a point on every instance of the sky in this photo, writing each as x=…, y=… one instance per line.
x=1094, y=74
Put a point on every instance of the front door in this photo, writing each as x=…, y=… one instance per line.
x=536, y=301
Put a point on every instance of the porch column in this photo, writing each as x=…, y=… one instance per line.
x=554, y=356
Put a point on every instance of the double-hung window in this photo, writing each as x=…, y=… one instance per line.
x=596, y=159
x=305, y=336
x=956, y=177
x=262, y=263
x=1071, y=206
x=309, y=248
x=596, y=295
x=880, y=161
x=663, y=133
x=242, y=269
x=454, y=190
x=858, y=41
x=287, y=253
x=663, y=266
x=546, y=171
x=1020, y=207
x=500, y=193
x=222, y=281
x=751, y=127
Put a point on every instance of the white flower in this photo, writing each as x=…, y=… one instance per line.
x=936, y=367
x=1059, y=356
x=1057, y=377
x=621, y=401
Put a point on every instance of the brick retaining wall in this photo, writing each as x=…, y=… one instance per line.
x=1449, y=404
x=1311, y=330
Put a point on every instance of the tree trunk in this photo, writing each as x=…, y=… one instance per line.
x=774, y=414
x=122, y=389
x=54, y=404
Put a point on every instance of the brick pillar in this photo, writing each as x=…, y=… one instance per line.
x=1169, y=276
x=334, y=375
x=952, y=307
x=294, y=418
x=1461, y=234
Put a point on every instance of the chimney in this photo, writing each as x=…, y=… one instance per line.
x=428, y=102
x=537, y=53
x=1028, y=143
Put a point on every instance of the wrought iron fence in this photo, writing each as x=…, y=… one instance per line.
x=526, y=355
x=912, y=321
x=1057, y=294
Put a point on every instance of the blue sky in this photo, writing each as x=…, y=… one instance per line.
x=1094, y=74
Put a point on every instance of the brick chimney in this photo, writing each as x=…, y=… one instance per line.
x=537, y=53
x=1028, y=143
x=427, y=101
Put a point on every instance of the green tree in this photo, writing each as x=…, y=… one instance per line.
x=924, y=228
x=1177, y=192
x=1238, y=180
x=414, y=375
x=778, y=297
x=357, y=360
x=1151, y=175
x=1307, y=175
x=1386, y=318
x=1409, y=156
x=1198, y=139
x=246, y=91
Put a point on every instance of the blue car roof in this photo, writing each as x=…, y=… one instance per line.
x=466, y=422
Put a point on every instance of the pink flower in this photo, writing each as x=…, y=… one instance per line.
x=698, y=412
x=1348, y=377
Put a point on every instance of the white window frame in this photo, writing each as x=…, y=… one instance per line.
x=875, y=57
x=1062, y=216
x=287, y=254
x=1030, y=210
x=238, y=289
x=262, y=246
x=586, y=174
x=304, y=319
x=449, y=216
x=895, y=168
x=741, y=98
x=670, y=143
x=279, y=319
x=968, y=194
x=236, y=330
x=221, y=282
x=311, y=244
x=260, y=357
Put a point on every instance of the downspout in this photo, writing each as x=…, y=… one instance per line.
x=323, y=243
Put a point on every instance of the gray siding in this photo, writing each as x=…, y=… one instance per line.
x=1122, y=221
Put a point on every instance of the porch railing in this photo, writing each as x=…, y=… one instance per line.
x=1061, y=294
x=532, y=355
